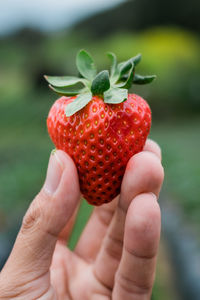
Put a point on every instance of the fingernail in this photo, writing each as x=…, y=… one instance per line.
x=54, y=173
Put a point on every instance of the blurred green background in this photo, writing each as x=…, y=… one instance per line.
x=167, y=35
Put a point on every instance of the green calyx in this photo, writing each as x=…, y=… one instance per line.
x=111, y=86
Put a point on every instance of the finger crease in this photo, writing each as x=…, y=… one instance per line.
x=104, y=217
x=120, y=207
x=101, y=281
x=114, y=247
x=25, y=286
x=131, y=286
x=140, y=256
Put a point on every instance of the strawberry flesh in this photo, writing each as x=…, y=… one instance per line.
x=100, y=138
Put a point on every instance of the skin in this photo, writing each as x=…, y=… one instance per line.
x=115, y=257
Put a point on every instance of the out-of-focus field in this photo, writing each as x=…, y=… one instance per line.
x=172, y=54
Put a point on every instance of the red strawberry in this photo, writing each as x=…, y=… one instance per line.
x=102, y=126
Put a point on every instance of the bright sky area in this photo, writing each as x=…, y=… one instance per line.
x=47, y=15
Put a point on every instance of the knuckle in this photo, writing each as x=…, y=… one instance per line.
x=35, y=214
x=114, y=247
x=31, y=218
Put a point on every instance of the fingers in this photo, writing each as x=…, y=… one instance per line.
x=95, y=230
x=91, y=238
x=46, y=217
x=135, y=276
x=144, y=174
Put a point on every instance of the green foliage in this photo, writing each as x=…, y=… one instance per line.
x=143, y=79
x=67, y=85
x=101, y=83
x=63, y=81
x=108, y=86
x=80, y=101
x=115, y=95
x=169, y=52
x=172, y=54
x=85, y=65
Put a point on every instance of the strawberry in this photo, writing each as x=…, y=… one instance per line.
x=99, y=124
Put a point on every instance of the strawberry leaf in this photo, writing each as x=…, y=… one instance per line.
x=115, y=95
x=126, y=81
x=124, y=67
x=89, y=83
x=81, y=101
x=101, y=83
x=136, y=59
x=63, y=81
x=138, y=79
x=68, y=90
x=123, y=70
x=113, y=59
x=85, y=65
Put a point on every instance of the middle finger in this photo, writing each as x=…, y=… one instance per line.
x=144, y=173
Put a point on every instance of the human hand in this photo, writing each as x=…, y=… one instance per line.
x=115, y=257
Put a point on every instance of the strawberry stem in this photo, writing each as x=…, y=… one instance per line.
x=113, y=87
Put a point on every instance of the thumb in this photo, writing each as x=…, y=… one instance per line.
x=47, y=215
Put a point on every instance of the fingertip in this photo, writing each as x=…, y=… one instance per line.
x=154, y=169
x=144, y=223
x=58, y=162
x=146, y=206
x=54, y=174
x=144, y=173
x=70, y=175
x=60, y=194
x=153, y=147
x=68, y=191
x=63, y=159
x=151, y=166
